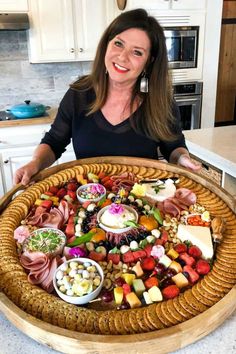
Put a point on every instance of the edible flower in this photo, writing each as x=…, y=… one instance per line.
x=116, y=209
x=77, y=252
x=157, y=251
x=97, y=189
x=139, y=190
x=21, y=233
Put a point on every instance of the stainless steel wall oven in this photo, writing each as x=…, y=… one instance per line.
x=188, y=97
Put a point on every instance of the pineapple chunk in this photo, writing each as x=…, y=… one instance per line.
x=155, y=294
x=138, y=286
x=128, y=277
x=180, y=280
x=133, y=300
x=175, y=266
x=118, y=295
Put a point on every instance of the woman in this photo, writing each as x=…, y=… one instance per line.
x=124, y=107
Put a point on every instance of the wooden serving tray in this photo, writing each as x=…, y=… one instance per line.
x=156, y=341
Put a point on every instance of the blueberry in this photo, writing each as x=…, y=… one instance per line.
x=113, y=199
x=181, y=262
x=186, y=274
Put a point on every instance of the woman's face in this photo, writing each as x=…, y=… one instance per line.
x=126, y=56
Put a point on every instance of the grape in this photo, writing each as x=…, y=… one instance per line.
x=170, y=273
x=160, y=269
x=167, y=282
x=107, y=296
x=124, y=306
x=120, y=281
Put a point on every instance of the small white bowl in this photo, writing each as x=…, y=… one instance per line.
x=116, y=230
x=79, y=300
x=28, y=243
x=86, y=187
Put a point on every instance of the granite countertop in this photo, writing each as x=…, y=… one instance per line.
x=222, y=340
x=215, y=146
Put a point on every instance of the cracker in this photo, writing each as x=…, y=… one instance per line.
x=119, y=328
x=193, y=302
x=103, y=322
x=126, y=322
x=180, y=309
x=171, y=309
x=201, y=295
x=168, y=314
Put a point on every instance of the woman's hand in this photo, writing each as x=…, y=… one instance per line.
x=185, y=161
x=24, y=173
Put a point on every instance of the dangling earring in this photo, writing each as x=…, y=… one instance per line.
x=106, y=72
x=144, y=83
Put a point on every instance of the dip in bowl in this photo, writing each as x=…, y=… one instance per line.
x=78, y=280
x=115, y=216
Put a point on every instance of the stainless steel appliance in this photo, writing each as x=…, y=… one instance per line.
x=188, y=97
x=182, y=46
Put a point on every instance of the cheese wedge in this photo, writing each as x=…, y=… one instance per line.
x=199, y=236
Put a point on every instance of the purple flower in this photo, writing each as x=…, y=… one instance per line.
x=97, y=189
x=77, y=252
x=116, y=208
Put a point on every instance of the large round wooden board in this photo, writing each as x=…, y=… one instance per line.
x=157, y=341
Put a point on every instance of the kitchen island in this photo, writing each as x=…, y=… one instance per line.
x=216, y=148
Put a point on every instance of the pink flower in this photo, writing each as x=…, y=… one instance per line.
x=116, y=208
x=21, y=233
x=157, y=251
x=97, y=189
x=77, y=252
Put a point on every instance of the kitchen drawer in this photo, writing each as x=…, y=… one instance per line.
x=209, y=171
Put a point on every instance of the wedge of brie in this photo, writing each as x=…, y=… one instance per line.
x=199, y=236
x=160, y=191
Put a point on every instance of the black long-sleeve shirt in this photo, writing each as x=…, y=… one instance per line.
x=94, y=136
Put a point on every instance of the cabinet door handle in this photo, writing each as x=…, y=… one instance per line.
x=81, y=50
x=121, y=4
x=6, y=161
x=72, y=50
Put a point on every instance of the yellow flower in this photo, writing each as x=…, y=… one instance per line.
x=139, y=190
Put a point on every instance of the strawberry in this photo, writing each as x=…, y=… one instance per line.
x=53, y=190
x=194, y=251
x=158, y=241
x=47, y=204
x=126, y=288
x=72, y=186
x=101, y=175
x=164, y=236
x=49, y=193
x=139, y=254
x=148, y=263
x=181, y=248
x=72, y=194
x=193, y=275
x=150, y=282
x=114, y=257
x=61, y=193
x=170, y=292
x=96, y=256
x=128, y=257
x=187, y=259
x=70, y=230
x=105, y=179
x=202, y=267
x=108, y=185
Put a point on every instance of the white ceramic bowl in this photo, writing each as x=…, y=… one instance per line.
x=86, y=187
x=74, y=299
x=116, y=230
x=37, y=241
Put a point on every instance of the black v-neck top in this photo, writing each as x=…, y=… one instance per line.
x=94, y=136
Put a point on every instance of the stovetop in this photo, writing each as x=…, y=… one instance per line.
x=6, y=116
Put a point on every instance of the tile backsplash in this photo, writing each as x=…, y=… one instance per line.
x=20, y=80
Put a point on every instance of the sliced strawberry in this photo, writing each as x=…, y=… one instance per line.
x=139, y=254
x=150, y=282
x=105, y=179
x=108, y=185
x=61, y=193
x=170, y=292
x=194, y=251
x=72, y=194
x=96, y=256
x=148, y=249
x=187, y=259
x=47, y=204
x=126, y=288
x=72, y=186
x=128, y=257
x=148, y=263
x=164, y=236
x=114, y=257
x=49, y=193
x=53, y=190
x=193, y=275
x=70, y=230
x=159, y=242
x=202, y=267
x=181, y=248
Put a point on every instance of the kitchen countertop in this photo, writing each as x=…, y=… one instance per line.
x=214, y=145
x=222, y=340
x=47, y=118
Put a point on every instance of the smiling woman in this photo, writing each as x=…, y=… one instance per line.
x=124, y=107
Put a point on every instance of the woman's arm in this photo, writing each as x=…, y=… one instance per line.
x=180, y=156
x=43, y=157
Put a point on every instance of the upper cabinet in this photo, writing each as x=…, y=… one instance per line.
x=13, y=5
x=166, y=4
x=66, y=30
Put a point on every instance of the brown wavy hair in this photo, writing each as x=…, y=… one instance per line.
x=157, y=119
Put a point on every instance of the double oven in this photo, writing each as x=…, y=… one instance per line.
x=182, y=44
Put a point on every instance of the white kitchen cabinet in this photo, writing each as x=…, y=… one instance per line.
x=66, y=30
x=13, y=5
x=166, y=4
